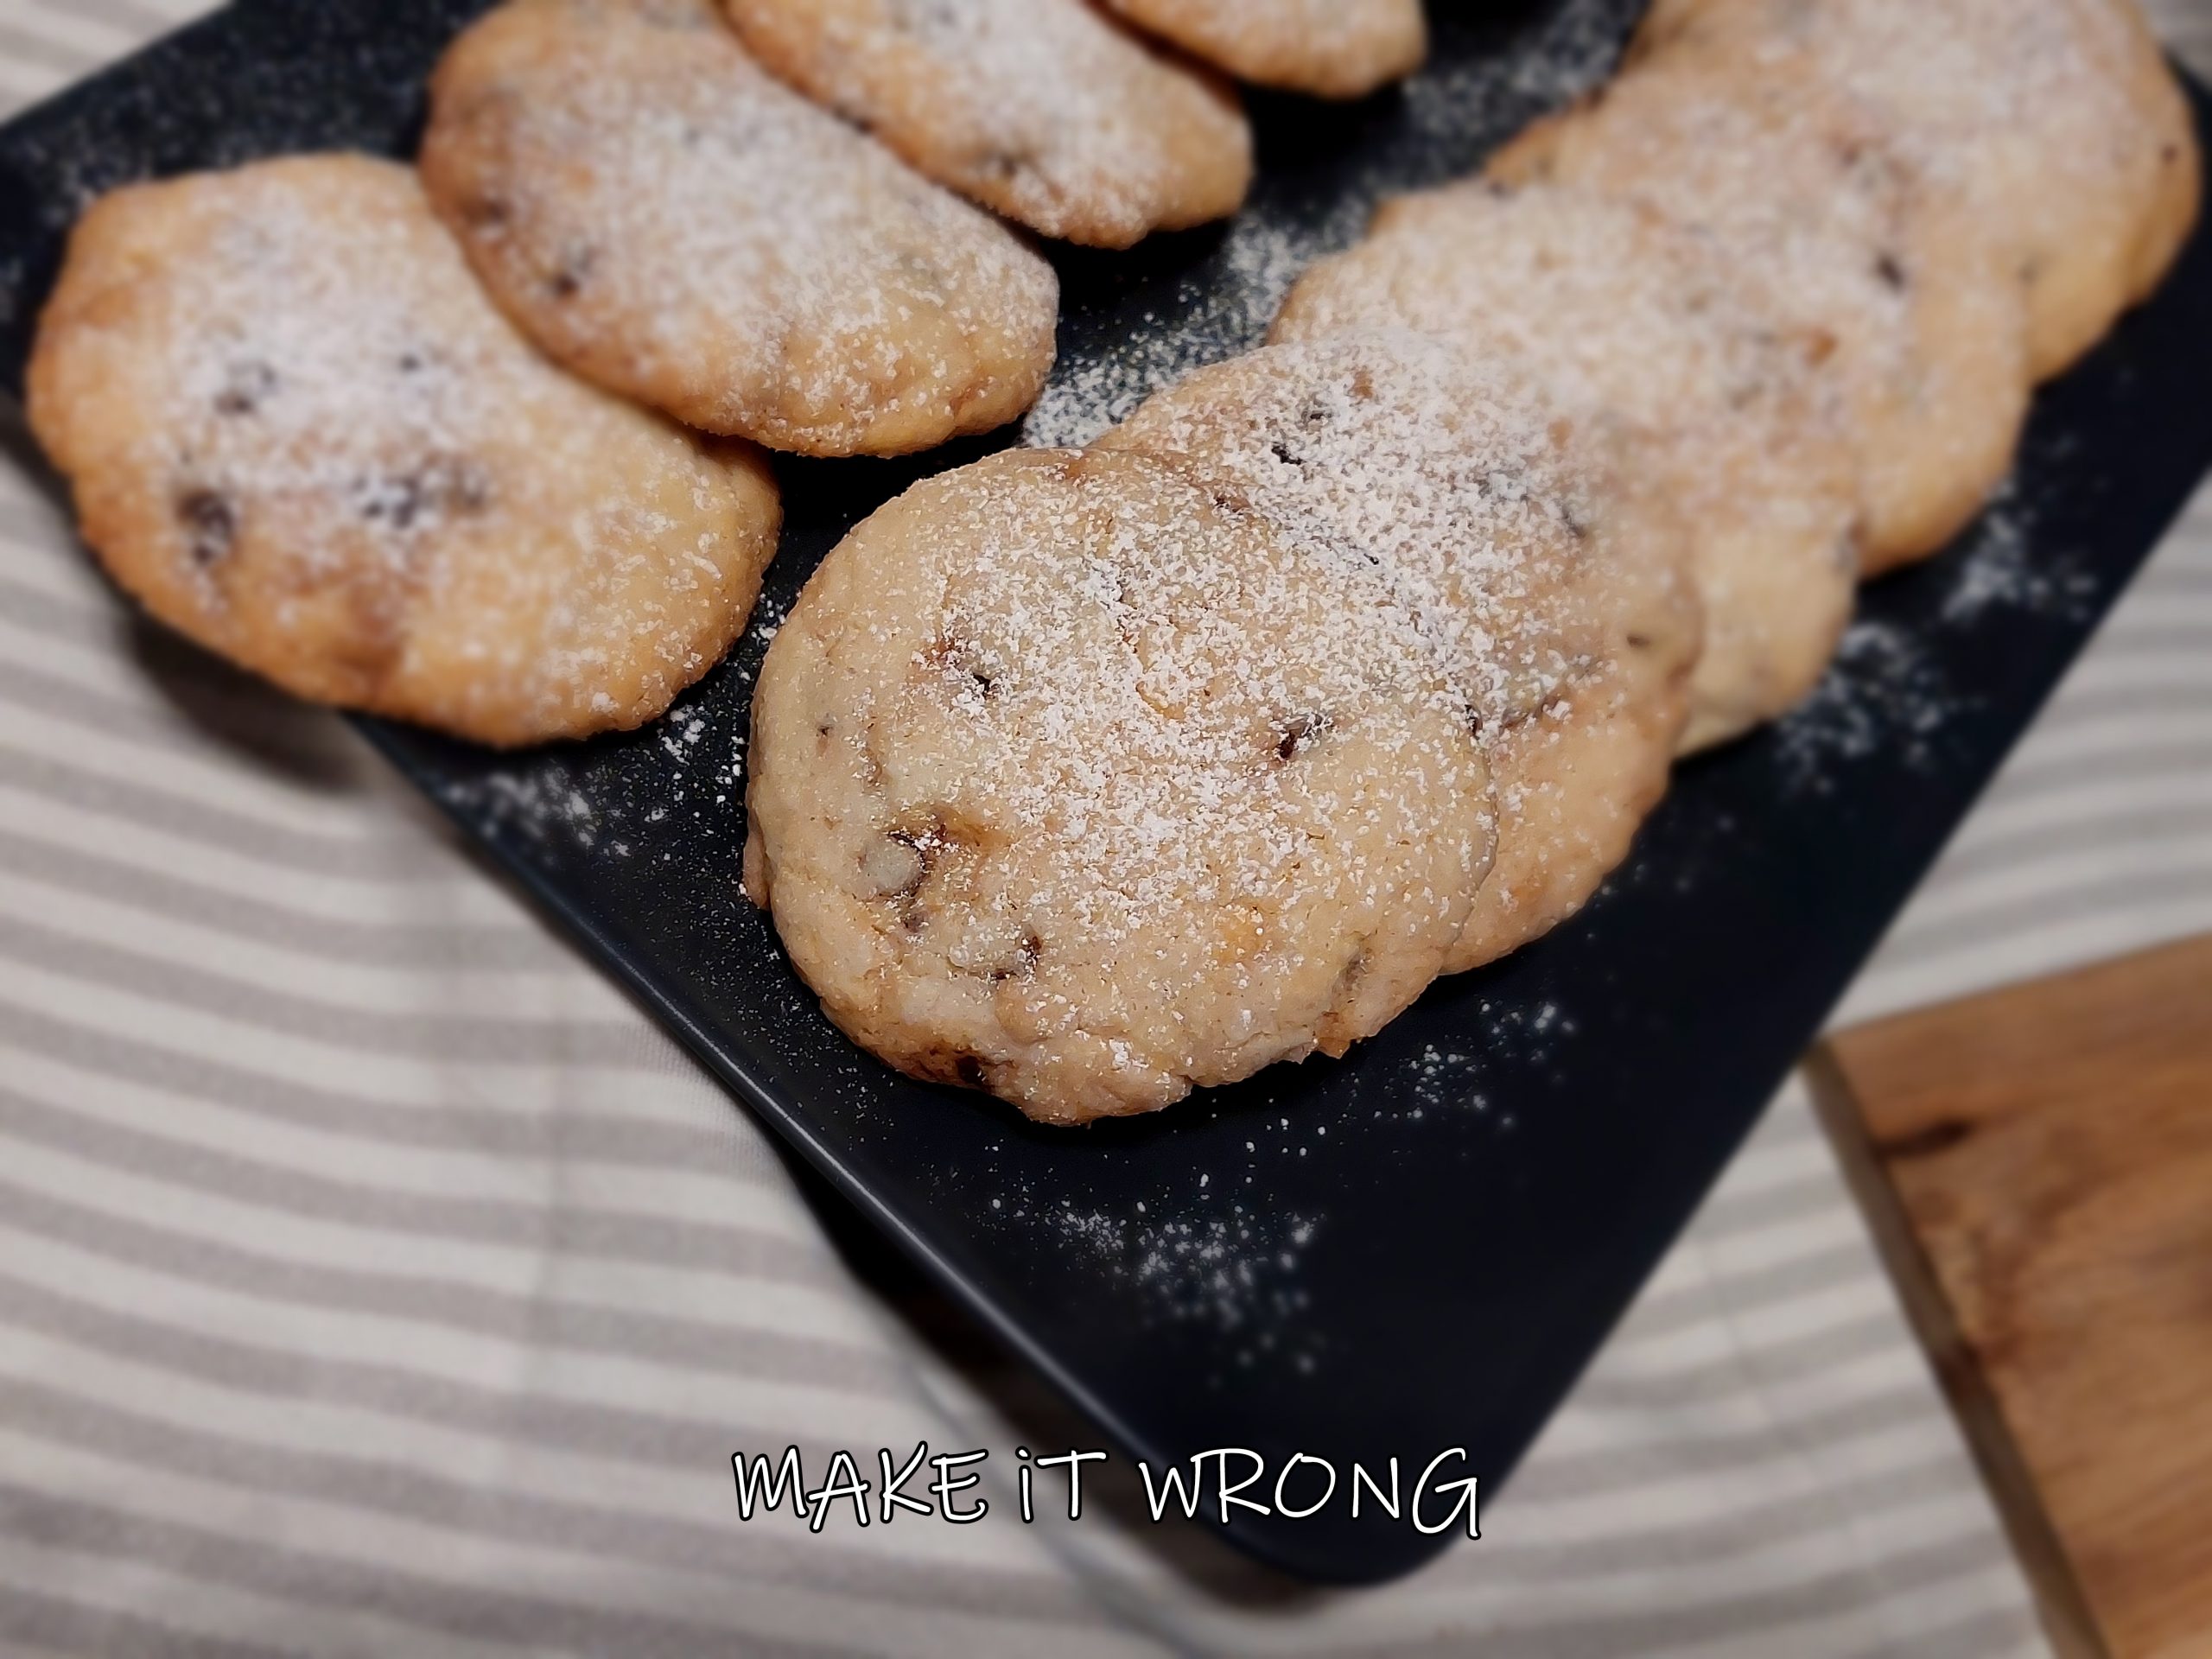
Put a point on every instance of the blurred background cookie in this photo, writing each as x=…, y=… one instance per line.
x=1618, y=314
x=2170, y=125
x=673, y=223
x=1813, y=205
x=1330, y=48
x=1044, y=111
x=2059, y=121
x=1072, y=782
x=298, y=432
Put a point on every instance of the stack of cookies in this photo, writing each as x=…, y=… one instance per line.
x=1603, y=439
x=1088, y=777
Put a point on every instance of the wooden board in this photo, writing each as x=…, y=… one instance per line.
x=2038, y=1164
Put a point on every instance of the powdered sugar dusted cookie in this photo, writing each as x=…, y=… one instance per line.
x=1837, y=234
x=1552, y=593
x=2059, y=121
x=1073, y=783
x=299, y=433
x=1043, y=110
x=675, y=224
x=1331, y=48
x=1616, y=312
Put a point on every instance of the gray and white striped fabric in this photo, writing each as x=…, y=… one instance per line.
x=375, y=1280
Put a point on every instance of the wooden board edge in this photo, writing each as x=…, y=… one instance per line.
x=2064, y=1606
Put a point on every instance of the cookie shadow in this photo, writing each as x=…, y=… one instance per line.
x=235, y=711
x=307, y=746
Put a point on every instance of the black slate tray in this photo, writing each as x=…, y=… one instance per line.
x=1419, y=1247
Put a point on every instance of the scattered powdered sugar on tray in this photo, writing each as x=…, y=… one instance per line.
x=565, y=800
x=1884, y=694
x=345, y=469
x=2007, y=568
x=542, y=802
x=1217, y=312
x=1574, y=48
x=1530, y=1035
x=681, y=732
x=1441, y=1077
x=561, y=804
x=1230, y=1265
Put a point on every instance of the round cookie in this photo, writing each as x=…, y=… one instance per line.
x=1329, y=49
x=1620, y=313
x=1552, y=595
x=1044, y=111
x=1071, y=783
x=1834, y=232
x=673, y=223
x=298, y=432
x=2056, y=124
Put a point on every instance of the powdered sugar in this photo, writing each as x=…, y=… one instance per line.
x=1447, y=479
x=1225, y=310
x=1620, y=315
x=1232, y=1266
x=1616, y=309
x=287, y=371
x=1782, y=175
x=1169, y=766
x=1885, y=694
x=1574, y=46
x=1333, y=49
x=2005, y=568
x=1840, y=236
x=1041, y=109
x=2018, y=105
x=672, y=221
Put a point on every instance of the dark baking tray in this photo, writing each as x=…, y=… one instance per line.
x=1419, y=1247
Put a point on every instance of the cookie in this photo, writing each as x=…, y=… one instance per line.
x=1837, y=234
x=1552, y=593
x=1618, y=314
x=1329, y=49
x=2067, y=138
x=666, y=218
x=298, y=432
x=2167, y=138
x=1044, y=111
x=1074, y=784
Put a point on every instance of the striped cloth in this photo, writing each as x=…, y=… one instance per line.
x=373, y=1279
